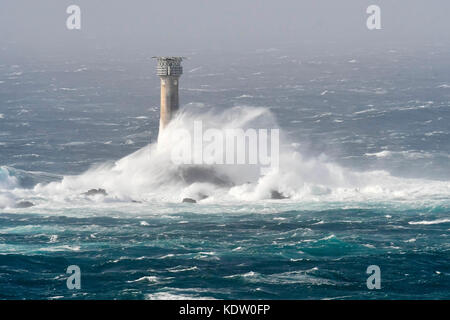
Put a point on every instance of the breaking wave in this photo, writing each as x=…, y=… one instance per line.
x=150, y=175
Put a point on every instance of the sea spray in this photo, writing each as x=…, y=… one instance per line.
x=149, y=174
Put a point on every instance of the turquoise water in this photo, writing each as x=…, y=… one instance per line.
x=295, y=254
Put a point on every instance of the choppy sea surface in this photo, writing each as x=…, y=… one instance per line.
x=364, y=169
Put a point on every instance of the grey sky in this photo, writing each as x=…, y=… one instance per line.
x=170, y=27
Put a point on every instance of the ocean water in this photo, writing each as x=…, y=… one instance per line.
x=364, y=167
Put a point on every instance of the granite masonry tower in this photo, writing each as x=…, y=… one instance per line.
x=169, y=69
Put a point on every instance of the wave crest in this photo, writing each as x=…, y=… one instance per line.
x=149, y=174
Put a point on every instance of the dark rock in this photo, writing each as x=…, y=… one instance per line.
x=94, y=192
x=189, y=200
x=24, y=204
x=192, y=174
x=274, y=194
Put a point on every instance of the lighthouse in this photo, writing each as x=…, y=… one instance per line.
x=169, y=70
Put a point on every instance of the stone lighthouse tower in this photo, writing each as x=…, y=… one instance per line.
x=169, y=69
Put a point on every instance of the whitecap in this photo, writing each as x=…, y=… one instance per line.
x=152, y=279
x=182, y=269
x=428, y=222
x=174, y=296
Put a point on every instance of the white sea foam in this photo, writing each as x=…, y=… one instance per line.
x=152, y=279
x=426, y=222
x=174, y=296
x=61, y=248
x=411, y=154
x=149, y=175
x=170, y=255
x=6, y=200
x=182, y=269
x=381, y=154
x=8, y=182
x=292, y=277
x=365, y=111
